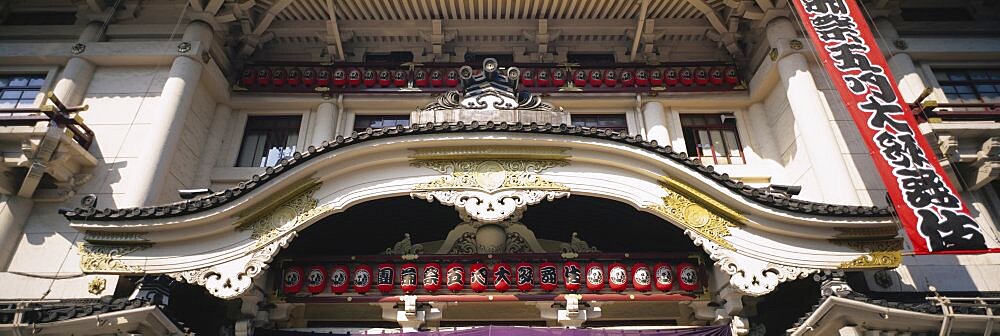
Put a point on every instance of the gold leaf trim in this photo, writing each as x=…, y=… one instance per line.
x=490, y=175
x=281, y=215
x=697, y=212
x=105, y=258
x=879, y=253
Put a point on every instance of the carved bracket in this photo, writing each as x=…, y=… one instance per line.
x=748, y=275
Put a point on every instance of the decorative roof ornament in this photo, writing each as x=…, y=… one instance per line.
x=492, y=88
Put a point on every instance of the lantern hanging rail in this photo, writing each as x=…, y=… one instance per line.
x=57, y=114
x=929, y=110
x=487, y=297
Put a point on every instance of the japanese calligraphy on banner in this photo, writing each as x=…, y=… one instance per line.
x=935, y=218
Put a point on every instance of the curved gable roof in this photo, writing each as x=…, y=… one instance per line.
x=758, y=195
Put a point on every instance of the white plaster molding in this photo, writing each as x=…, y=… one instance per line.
x=487, y=207
x=233, y=278
x=749, y=276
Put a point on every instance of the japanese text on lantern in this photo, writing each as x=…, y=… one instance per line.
x=934, y=216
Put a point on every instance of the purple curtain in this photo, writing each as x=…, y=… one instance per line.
x=526, y=331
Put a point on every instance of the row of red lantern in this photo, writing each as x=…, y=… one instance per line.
x=348, y=77
x=530, y=77
x=501, y=277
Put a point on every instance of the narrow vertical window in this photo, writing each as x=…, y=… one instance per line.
x=267, y=139
x=712, y=138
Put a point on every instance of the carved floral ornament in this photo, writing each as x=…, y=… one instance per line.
x=486, y=189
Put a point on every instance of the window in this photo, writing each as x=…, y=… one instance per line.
x=268, y=139
x=46, y=18
x=363, y=122
x=614, y=122
x=936, y=14
x=396, y=57
x=585, y=59
x=970, y=85
x=19, y=91
x=712, y=138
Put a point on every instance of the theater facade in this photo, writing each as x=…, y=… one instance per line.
x=663, y=167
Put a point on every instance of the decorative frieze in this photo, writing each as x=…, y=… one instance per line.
x=880, y=253
x=272, y=222
x=105, y=258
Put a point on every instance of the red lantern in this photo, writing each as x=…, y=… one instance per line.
x=362, y=279
x=316, y=279
x=642, y=77
x=641, y=279
x=263, y=76
x=338, y=279
x=294, y=76
x=543, y=78
x=686, y=76
x=715, y=76
x=451, y=80
x=572, y=276
x=420, y=78
x=656, y=77
x=477, y=277
x=384, y=78
x=525, y=276
x=580, y=78
x=664, y=277
x=432, y=277
x=617, y=277
x=731, y=77
x=436, y=78
x=701, y=76
x=671, y=77
x=558, y=78
x=293, y=280
x=385, y=279
x=596, y=79
x=595, y=277
x=399, y=78
x=249, y=76
x=687, y=276
x=628, y=79
x=548, y=276
x=456, y=277
x=308, y=77
x=502, y=277
x=528, y=77
x=369, y=78
x=323, y=78
x=339, y=77
x=611, y=78
x=278, y=77
x=354, y=77
x=408, y=278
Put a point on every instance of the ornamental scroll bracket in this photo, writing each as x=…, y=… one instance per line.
x=272, y=227
x=490, y=184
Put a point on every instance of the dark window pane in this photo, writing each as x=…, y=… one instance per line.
x=963, y=89
x=4, y=81
x=268, y=139
x=363, y=122
x=985, y=88
x=710, y=139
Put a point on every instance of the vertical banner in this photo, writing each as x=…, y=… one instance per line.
x=935, y=218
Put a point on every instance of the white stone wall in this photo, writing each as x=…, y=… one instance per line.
x=188, y=154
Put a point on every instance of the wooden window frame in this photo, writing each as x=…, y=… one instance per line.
x=692, y=140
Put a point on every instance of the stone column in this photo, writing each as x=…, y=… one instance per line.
x=14, y=212
x=348, y=122
x=809, y=111
x=213, y=147
x=76, y=75
x=656, y=123
x=175, y=102
x=900, y=63
x=325, y=124
x=761, y=133
x=675, y=130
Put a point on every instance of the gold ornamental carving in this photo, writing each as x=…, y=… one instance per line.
x=879, y=253
x=697, y=212
x=281, y=215
x=106, y=258
x=97, y=286
x=481, y=184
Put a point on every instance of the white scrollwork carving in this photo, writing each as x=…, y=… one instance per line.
x=232, y=278
x=748, y=275
x=490, y=191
